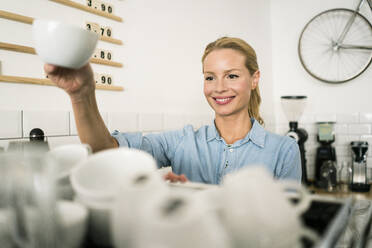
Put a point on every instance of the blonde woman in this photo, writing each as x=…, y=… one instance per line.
x=234, y=140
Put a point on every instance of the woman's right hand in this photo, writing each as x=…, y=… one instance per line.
x=78, y=84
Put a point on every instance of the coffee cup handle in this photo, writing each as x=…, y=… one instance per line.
x=304, y=199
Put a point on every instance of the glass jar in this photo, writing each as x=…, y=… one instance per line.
x=328, y=172
x=344, y=176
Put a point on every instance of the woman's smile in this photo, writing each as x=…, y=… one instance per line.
x=223, y=100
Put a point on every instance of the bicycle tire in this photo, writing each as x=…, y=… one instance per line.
x=324, y=25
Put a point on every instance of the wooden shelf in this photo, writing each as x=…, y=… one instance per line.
x=17, y=48
x=16, y=17
x=31, y=50
x=105, y=62
x=30, y=20
x=88, y=9
x=111, y=40
x=40, y=81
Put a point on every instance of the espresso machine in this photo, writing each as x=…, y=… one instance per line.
x=37, y=143
x=325, y=155
x=359, y=182
x=293, y=107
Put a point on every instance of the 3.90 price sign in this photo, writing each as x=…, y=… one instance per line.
x=101, y=6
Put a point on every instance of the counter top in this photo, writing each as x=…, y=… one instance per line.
x=340, y=193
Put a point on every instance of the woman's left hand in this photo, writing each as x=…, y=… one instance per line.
x=175, y=178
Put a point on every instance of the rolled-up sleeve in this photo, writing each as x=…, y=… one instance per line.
x=161, y=146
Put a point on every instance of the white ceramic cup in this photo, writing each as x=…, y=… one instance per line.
x=258, y=213
x=131, y=198
x=69, y=156
x=100, y=176
x=178, y=219
x=97, y=181
x=63, y=44
x=73, y=219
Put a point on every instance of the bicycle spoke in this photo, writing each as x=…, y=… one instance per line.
x=321, y=56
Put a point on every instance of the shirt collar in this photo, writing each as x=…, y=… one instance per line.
x=257, y=134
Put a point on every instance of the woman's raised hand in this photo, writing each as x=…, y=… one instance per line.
x=78, y=84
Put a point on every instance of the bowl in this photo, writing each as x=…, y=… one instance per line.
x=99, y=177
x=63, y=44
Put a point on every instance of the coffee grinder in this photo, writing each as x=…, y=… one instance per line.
x=293, y=107
x=359, y=180
x=325, y=153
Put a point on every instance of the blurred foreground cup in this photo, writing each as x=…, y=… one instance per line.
x=28, y=200
x=258, y=213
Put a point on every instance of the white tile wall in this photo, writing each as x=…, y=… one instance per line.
x=200, y=120
x=347, y=118
x=359, y=129
x=64, y=140
x=325, y=117
x=345, y=139
x=341, y=128
x=11, y=124
x=73, y=130
x=306, y=119
x=123, y=122
x=149, y=122
x=51, y=122
x=365, y=118
x=175, y=121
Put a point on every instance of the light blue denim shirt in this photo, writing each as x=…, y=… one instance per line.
x=203, y=156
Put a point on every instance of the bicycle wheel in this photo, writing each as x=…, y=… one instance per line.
x=328, y=61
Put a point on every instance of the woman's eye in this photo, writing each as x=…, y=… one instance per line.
x=209, y=78
x=232, y=76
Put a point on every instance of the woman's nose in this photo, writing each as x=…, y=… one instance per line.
x=221, y=85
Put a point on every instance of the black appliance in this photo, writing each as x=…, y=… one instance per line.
x=293, y=107
x=359, y=180
x=325, y=155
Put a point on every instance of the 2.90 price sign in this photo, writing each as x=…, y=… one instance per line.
x=103, y=78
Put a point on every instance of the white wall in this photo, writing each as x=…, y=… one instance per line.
x=348, y=104
x=288, y=17
x=163, y=44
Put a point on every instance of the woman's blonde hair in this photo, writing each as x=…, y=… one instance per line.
x=250, y=63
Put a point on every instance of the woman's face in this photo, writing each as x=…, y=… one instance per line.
x=227, y=82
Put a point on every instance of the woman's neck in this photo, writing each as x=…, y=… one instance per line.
x=233, y=128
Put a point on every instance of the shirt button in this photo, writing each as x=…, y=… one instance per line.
x=231, y=150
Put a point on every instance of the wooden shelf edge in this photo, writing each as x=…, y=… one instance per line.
x=17, y=48
x=105, y=62
x=109, y=87
x=31, y=50
x=30, y=20
x=88, y=9
x=41, y=81
x=111, y=40
x=16, y=17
